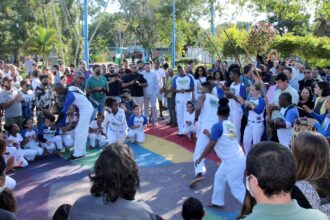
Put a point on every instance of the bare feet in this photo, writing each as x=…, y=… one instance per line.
x=196, y=180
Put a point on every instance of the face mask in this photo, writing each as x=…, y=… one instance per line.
x=247, y=186
x=112, y=71
x=45, y=83
x=98, y=72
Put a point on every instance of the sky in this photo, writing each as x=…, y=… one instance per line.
x=230, y=13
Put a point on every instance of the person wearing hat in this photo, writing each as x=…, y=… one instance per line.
x=79, y=81
x=11, y=103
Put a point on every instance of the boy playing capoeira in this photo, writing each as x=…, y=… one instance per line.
x=137, y=123
x=97, y=133
x=115, y=122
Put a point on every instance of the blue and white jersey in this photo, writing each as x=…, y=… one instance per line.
x=238, y=90
x=218, y=91
x=116, y=122
x=26, y=133
x=289, y=115
x=257, y=114
x=183, y=82
x=135, y=120
x=76, y=97
x=323, y=126
x=46, y=133
x=227, y=146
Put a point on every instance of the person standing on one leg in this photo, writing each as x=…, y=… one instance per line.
x=150, y=93
x=236, y=95
x=224, y=141
x=206, y=111
x=74, y=96
x=255, y=126
x=182, y=86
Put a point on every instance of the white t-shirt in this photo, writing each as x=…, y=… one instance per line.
x=183, y=82
x=35, y=83
x=235, y=89
x=94, y=125
x=15, y=140
x=189, y=117
x=28, y=97
x=116, y=122
x=198, y=86
x=160, y=75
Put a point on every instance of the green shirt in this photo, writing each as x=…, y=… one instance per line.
x=92, y=82
x=291, y=211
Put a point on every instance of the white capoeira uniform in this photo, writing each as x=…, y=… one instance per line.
x=32, y=144
x=97, y=138
x=206, y=119
x=137, y=133
x=289, y=115
x=22, y=156
x=182, y=82
x=76, y=97
x=68, y=136
x=10, y=182
x=50, y=140
x=116, y=127
x=232, y=165
x=236, y=111
x=189, y=129
x=255, y=126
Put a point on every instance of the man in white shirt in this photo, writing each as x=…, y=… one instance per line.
x=150, y=93
x=161, y=80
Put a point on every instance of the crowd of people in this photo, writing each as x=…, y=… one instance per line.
x=229, y=109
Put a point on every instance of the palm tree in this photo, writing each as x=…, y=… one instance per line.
x=41, y=41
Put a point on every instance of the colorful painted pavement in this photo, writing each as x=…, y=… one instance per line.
x=166, y=170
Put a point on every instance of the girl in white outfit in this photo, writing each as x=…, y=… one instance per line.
x=255, y=126
x=22, y=156
x=224, y=141
x=189, y=128
x=30, y=137
x=97, y=133
x=115, y=122
x=10, y=163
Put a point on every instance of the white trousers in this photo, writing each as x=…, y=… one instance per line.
x=181, y=108
x=10, y=183
x=68, y=140
x=231, y=172
x=20, y=161
x=152, y=98
x=136, y=134
x=95, y=139
x=81, y=133
x=189, y=130
x=252, y=134
x=55, y=143
x=116, y=136
x=236, y=118
x=34, y=146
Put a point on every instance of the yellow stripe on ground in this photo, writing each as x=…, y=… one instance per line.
x=171, y=151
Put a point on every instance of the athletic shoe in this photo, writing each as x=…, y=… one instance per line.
x=75, y=158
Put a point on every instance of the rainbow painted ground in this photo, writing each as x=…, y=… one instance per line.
x=166, y=169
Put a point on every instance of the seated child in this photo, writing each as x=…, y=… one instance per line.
x=68, y=126
x=97, y=133
x=115, y=122
x=14, y=140
x=30, y=137
x=10, y=163
x=189, y=128
x=137, y=123
x=49, y=136
x=192, y=208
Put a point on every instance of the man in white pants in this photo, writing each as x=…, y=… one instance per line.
x=182, y=86
x=74, y=96
x=206, y=111
x=150, y=93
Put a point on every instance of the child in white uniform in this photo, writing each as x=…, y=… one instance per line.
x=49, y=135
x=255, y=126
x=189, y=128
x=115, y=122
x=30, y=137
x=68, y=126
x=224, y=141
x=97, y=133
x=15, y=141
x=10, y=163
x=137, y=123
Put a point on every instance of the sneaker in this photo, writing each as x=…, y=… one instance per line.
x=75, y=158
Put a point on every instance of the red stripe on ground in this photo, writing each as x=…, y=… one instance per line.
x=170, y=134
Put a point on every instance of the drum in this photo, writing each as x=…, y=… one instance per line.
x=303, y=124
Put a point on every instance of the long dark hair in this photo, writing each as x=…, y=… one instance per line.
x=196, y=74
x=115, y=174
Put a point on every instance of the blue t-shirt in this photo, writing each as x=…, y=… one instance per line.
x=46, y=132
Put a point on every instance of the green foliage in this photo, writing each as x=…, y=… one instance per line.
x=185, y=61
x=260, y=36
x=237, y=39
x=313, y=50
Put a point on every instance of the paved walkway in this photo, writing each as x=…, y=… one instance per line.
x=166, y=170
